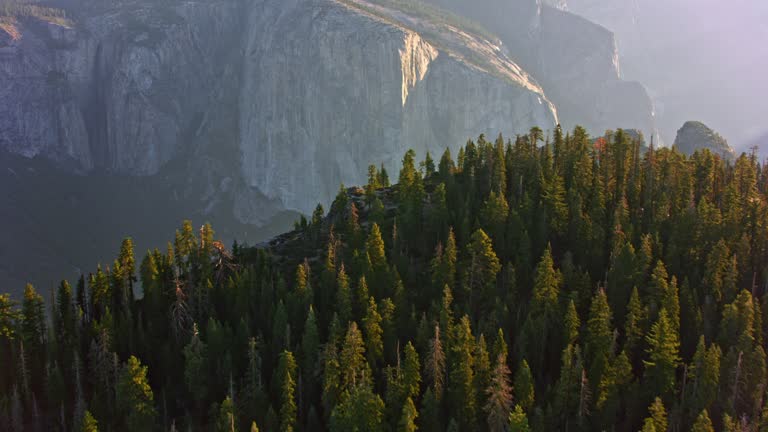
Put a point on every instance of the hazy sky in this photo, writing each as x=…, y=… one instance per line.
x=701, y=59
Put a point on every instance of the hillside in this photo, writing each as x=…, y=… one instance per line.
x=515, y=286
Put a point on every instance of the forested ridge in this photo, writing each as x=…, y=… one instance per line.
x=544, y=283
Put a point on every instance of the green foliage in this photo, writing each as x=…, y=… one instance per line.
x=663, y=356
x=524, y=389
x=408, y=419
x=518, y=421
x=702, y=423
x=286, y=373
x=641, y=254
x=135, y=396
x=89, y=424
x=359, y=410
x=658, y=414
x=226, y=420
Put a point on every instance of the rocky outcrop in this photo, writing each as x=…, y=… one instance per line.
x=695, y=136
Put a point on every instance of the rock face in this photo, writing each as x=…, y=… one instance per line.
x=286, y=99
x=118, y=90
x=332, y=95
x=574, y=60
x=695, y=136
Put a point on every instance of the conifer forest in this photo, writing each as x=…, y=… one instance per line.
x=549, y=282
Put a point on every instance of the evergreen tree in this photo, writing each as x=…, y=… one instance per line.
x=286, y=373
x=343, y=296
x=408, y=418
x=599, y=337
x=524, y=389
x=481, y=269
x=703, y=423
x=658, y=414
x=375, y=248
x=648, y=425
x=195, y=367
x=411, y=372
x=461, y=378
x=360, y=410
x=89, y=424
x=704, y=376
x=572, y=324
x=373, y=334
x=499, y=396
x=352, y=364
x=518, y=421
x=310, y=347
x=434, y=366
x=633, y=324
x=663, y=356
x=135, y=396
x=226, y=420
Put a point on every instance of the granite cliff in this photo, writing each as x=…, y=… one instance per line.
x=286, y=99
x=575, y=61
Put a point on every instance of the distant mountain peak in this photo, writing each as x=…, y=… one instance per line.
x=695, y=135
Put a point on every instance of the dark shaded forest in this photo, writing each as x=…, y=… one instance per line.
x=541, y=283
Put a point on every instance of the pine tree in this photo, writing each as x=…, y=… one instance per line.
x=543, y=326
x=704, y=376
x=431, y=413
x=572, y=324
x=408, y=419
x=310, y=346
x=411, y=372
x=373, y=333
x=332, y=385
x=524, y=390
x=599, y=337
x=482, y=371
x=227, y=419
x=352, y=364
x=360, y=410
x=633, y=329
x=135, y=396
x=360, y=299
x=546, y=287
x=375, y=248
x=434, y=366
x=286, y=373
x=499, y=396
x=703, y=423
x=518, y=421
x=658, y=414
x=648, y=425
x=89, y=424
x=343, y=296
x=569, y=387
x=622, y=274
x=33, y=335
x=481, y=269
x=461, y=392
x=663, y=356
x=195, y=367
